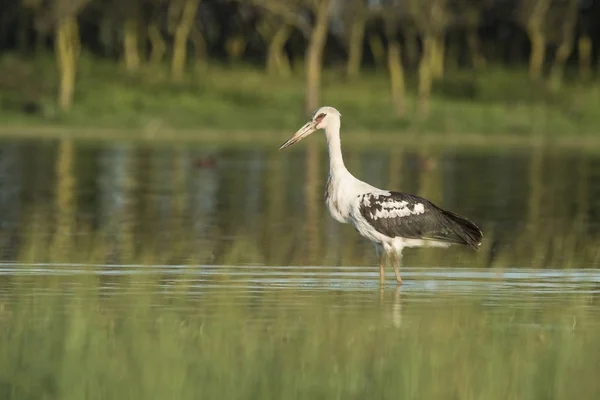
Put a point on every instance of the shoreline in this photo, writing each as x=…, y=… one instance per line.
x=249, y=137
x=271, y=137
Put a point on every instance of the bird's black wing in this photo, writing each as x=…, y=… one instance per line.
x=408, y=216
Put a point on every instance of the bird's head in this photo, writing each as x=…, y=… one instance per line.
x=321, y=119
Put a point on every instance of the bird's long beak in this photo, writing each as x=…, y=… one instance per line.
x=303, y=132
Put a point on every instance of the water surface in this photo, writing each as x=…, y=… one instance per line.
x=183, y=271
x=538, y=207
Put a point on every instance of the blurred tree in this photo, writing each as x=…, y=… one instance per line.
x=277, y=59
x=62, y=15
x=276, y=32
x=181, y=20
x=158, y=45
x=314, y=59
x=589, y=15
x=584, y=49
x=431, y=18
x=131, y=12
x=199, y=43
x=68, y=48
x=240, y=27
x=532, y=14
x=567, y=17
x=356, y=13
x=276, y=26
x=468, y=14
x=395, y=66
x=394, y=16
x=377, y=49
x=29, y=8
x=292, y=10
x=405, y=30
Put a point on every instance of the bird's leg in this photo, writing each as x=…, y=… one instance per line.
x=397, y=257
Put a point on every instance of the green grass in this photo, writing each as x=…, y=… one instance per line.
x=62, y=337
x=493, y=102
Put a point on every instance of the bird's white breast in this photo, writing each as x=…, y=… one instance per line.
x=336, y=201
x=342, y=195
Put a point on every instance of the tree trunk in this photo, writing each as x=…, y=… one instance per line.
x=584, y=45
x=314, y=59
x=377, y=50
x=437, y=57
x=355, y=50
x=396, y=76
x=535, y=31
x=182, y=32
x=157, y=43
x=562, y=54
x=132, y=53
x=235, y=47
x=425, y=78
x=477, y=58
x=538, y=54
x=67, y=51
x=199, y=45
x=566, y=45
x=277, y=61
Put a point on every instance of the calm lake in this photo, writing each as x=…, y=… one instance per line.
x=136, y=270
x=269, y=205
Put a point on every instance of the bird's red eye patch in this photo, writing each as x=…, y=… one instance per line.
x=320, y=117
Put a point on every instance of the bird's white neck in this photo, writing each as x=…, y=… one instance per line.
x=336, y=161
x=342, y=187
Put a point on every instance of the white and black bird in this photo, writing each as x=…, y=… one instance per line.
x=391, y=220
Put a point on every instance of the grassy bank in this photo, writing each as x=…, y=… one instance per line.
x=247, y=100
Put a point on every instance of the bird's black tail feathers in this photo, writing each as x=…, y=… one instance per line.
x=467, y=231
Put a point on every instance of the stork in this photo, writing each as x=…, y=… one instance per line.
x=391, y=220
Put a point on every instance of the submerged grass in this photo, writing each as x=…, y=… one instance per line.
x=42, y=242
x=154, y=336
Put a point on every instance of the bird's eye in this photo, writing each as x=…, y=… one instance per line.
x=320, y=117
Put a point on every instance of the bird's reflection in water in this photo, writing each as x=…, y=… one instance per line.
x=396, y=305
x=396, y=308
